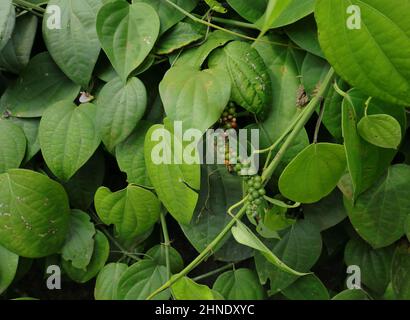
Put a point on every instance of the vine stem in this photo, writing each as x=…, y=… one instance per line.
x=235, y=23
x=307, y=113
x=166, y=242
x=202, y=256
x=214, y=272
x=28, y=5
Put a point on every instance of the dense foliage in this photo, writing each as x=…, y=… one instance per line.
x=86, y=84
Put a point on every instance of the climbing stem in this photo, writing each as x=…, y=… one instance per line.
x=307, y=113
x=235, y=23
x=202, y=256
x=29, y=6
x=166, y=243
x=214, y=272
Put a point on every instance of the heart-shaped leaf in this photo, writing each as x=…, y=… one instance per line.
x=127, y=34
x=74, y=46
x=251, y=83
x=100, y=255
x=314, y=173
x=158, y=254
x=7, y=21
x=16, y=53
x=133, y=210
x=379, y=214
x=40, y=85
x=179, y=36
x=342, y=35
x=173, y=181
x=195, y=57
x=8, y=267
x=120, y=107
x=300, y=247
x=308, y=287
x=68, y=137
x=130, y=156
x=167, y=13
x=187, y=289
x=197, y=98
x=374, y=264
x=107, y=281
x=140, y=280
x=381, y=130
x=12, y=145
x=366, y=162
x=240, y=284
x=79, y=245
x=34, y=213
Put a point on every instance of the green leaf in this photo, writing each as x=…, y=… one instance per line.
x=130, y=156
x=30, y=128
x=304, y=34
x=79, y=245
x=40, y=85
x=16, y=53
x=12, y=145
x=68, y=137
x=197, y=98
x=83, y=185
x=8, y=267
x=179, y=36
x=158, y=255
x=300, y=248
x=351, y=294
x=140, y=280
x=120, y=107
x=380, y=213
x=34, y=214
x=245, y=236
x=133, y=210
x=384, y=28
x=169, y=15
x=106, y=285
x=375, y=265
x=74, y=46
x=7, y=21
x=195, y=57
x=282, y=64
x=381, y=130
x=251, y=11
x=366, y=162
x=307, y=288
x=173, y=182
x=127, y=34
x=240, y=284
x=100, y=255
x=251, y=83
x=328, y=212
x=400, y=274
x=218, y=192
x=283, y=12
x=319, y=166
x=187, y=289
